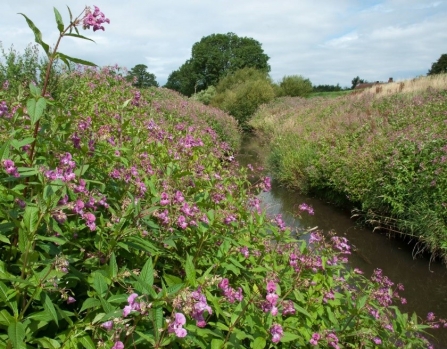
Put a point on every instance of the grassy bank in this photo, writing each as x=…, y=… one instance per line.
x=383, y=150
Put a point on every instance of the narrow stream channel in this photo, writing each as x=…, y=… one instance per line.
x=425, y=283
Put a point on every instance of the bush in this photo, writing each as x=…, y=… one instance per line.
x=295, y=86
x=241, y=93
x=205, y=96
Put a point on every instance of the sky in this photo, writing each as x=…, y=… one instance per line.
x=327, y=41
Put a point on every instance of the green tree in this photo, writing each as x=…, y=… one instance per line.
x=214, y=57
x=183, y=80
x=295, y=86
x=440, y=66
x=142, y=77
x=240, y=94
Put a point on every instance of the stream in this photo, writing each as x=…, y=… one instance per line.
x=425, y=282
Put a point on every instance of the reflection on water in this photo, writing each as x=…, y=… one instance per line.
x=425, y=283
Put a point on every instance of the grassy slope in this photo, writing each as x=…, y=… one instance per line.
x=384, y=150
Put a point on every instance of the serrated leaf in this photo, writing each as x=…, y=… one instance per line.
x=6, y=319
x=259, y=343
x=4, y=150
x=86, y=342
x=60, y=23
x=217, y=343
x=147, y=274
x=35, y=91
x=113, y=266
x=90, y=303
x=147, y=337
x=37, y=34
x=158, y=317
x=100, y=284
x=49, y=343
x=288, y=337
x=190, y=271
x=16, y=333
x=49, y=306
x=30, y=218
x=76, y=60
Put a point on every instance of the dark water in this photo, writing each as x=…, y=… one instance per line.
x=425, y=283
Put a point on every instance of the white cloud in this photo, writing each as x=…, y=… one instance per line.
x=327, y=41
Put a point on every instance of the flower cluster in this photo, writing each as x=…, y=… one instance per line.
x=94, y=19
x=10, y=168
x=306, y=207
x=4, y=110
x=230, y=293
x=271, y=299
x=132, y=305
x=176, y=326
x=199, y=307
x=277, y=332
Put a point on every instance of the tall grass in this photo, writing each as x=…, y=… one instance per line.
x=382, y=150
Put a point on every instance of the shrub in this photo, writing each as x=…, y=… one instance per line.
x=295, y=86
x=241, y=93
x=205, y=96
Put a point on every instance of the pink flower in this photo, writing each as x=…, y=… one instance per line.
x=176, y=326
x=71, y=300
x=118, y=345
x=108, y=325
x=276, y=332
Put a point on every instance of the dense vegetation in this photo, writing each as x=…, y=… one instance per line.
x=214, y=57
x=385, y=154
x=126, y=223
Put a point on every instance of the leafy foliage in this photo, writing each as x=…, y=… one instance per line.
x=383, y=155
x=205, y=96
x=241, y=93
x=214, y=57
x=124, y=222
x=141, y=78
x=440, y=66
x=295, y=86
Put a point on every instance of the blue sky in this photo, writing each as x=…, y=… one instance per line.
x=327, y=41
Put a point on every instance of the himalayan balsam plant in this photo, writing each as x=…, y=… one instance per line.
x=126, y=223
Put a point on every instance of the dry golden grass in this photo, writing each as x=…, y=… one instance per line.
x=437, y=82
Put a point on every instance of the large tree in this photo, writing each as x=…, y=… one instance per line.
x=214, y=57
x=142, y=77
x=440, y=66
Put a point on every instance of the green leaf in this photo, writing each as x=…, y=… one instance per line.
x=288, y=337
x=36, y=92
x=217, y=343
x=259, y=343
x=147, y=274
x=16, y=333
x=87, y=342
x=60, y=23
x=100, y=284
x=37, y=35
x=30, y=218
x=75, y=60
x=79, y=36
x=19, y=144
x=147, y=337
x=49, y=306
x=90, y=303
x=4, y=150
x=6, y=319
x=36, y=109
x=113, y=267
x=49, y=343
x=190, y=271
